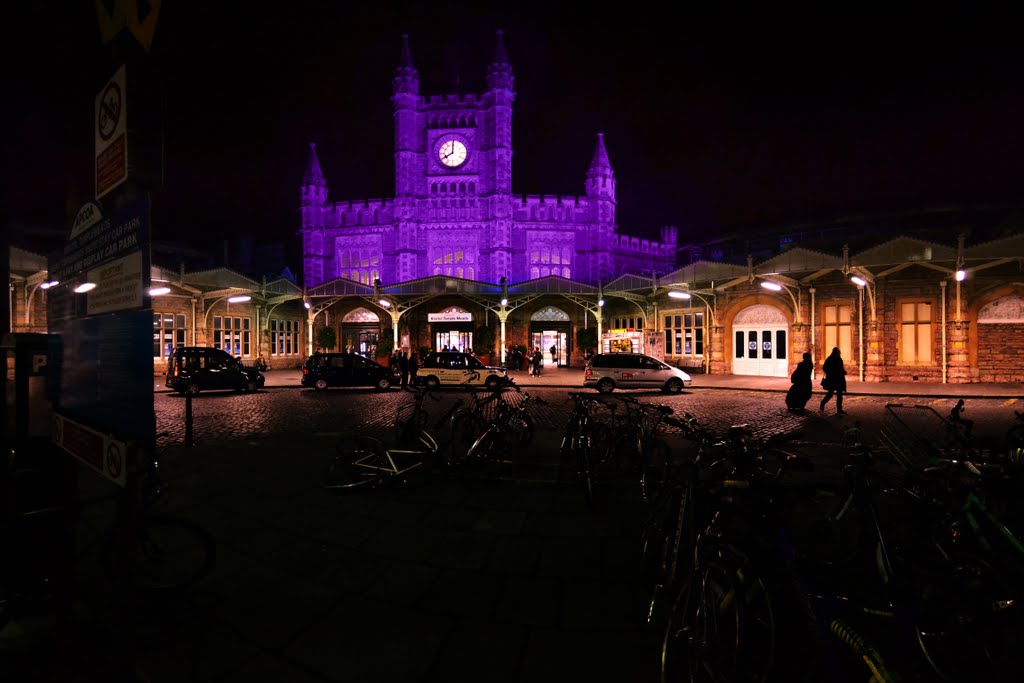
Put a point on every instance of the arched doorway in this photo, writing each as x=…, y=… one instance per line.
x=550, y=327
x=760, y=342
x=360, y=332
x=452, y=329
x=1000, y=331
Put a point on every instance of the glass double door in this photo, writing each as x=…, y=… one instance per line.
x=761, y=351
x=545, y=340
x=453, y=340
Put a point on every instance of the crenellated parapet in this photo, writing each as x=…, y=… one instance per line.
x=360, y=212
x=629, y=243
x=469, y=101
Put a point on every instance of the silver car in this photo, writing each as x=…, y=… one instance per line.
x=609, y=371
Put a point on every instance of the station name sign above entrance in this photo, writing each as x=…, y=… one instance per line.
x=462, y=317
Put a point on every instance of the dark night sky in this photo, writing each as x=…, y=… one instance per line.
x=713, y=121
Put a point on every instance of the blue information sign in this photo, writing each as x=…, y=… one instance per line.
x=106, y=333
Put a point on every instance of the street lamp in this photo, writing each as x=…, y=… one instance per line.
x=158, y=291
x=240, y=299
x=775, y=287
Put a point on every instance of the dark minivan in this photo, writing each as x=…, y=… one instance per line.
x=324, y=370
x=192, y=369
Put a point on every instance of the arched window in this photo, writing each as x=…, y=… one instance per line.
x=462, y=188
x=545, y=271
x=469, y=273
x=433, y=189
x=472, y=188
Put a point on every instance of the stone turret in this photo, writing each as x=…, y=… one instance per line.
x=314, y=186
x=405, y=101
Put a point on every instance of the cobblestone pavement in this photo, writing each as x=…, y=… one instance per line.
x=226, y=416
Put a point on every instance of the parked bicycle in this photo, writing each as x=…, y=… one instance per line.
x=170, y=553
x=756, y=562
x=502, y=437
x=361, y=460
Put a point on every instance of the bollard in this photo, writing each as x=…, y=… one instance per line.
x=188, y=420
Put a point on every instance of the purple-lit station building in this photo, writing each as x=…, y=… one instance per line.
x=455, y=257
x=455, y=231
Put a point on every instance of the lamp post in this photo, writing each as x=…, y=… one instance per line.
x=864, y=282
x=710, y=321
x=44, y=285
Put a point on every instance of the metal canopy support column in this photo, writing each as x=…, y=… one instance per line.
x=316, y=307
x=503, y=311
x=396, y=309
x=591, y=308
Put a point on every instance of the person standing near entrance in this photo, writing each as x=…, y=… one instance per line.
x=414, y=365
x=403, y=368
x=834, y=381
x=554, y=354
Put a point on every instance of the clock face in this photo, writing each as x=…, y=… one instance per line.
x=452, y=153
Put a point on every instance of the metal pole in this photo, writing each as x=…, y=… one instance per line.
x=942, y=286
x=860, y=314
x=813, y=349
x=188, y=420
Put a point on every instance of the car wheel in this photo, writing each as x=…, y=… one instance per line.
x=432, y=383
x=674, y=385
x=606, y=386
x=493, y=383
x=384, y=384
x=251, y=387
x=320, y=384
x=191, y=388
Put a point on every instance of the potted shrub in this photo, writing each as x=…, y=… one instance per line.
x=325, y=339
x=385, y=345
x=586, y=340
x=483, y=343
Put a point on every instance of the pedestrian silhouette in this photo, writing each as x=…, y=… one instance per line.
x=403, y=368
x=959, y=421
x=800, y=393
x=538, y=361
x=835, y=381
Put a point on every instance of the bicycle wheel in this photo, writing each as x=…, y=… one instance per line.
x=721, y=627
x=464, y=433
x=968, y=624
x=172, y=553
x=666, y=537
x=654, y=469
x=359, y=461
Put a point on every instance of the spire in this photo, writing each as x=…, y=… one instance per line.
x=600, y=177
x=406, y=62
x=406, y=79
x=500, y=56
x=499, y=72
x=600, y=155
x=313, y=175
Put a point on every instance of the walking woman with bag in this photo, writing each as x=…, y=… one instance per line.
x=835, y=381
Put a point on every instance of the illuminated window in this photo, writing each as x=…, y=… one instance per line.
x=684, y=334
x=232, y=335
x=915, y=332
x=838, y=329
x=284, y=337
x=168, y=333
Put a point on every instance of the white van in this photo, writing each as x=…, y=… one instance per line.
x=609, y=371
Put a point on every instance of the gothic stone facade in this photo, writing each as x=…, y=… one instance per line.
x=454, y=212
